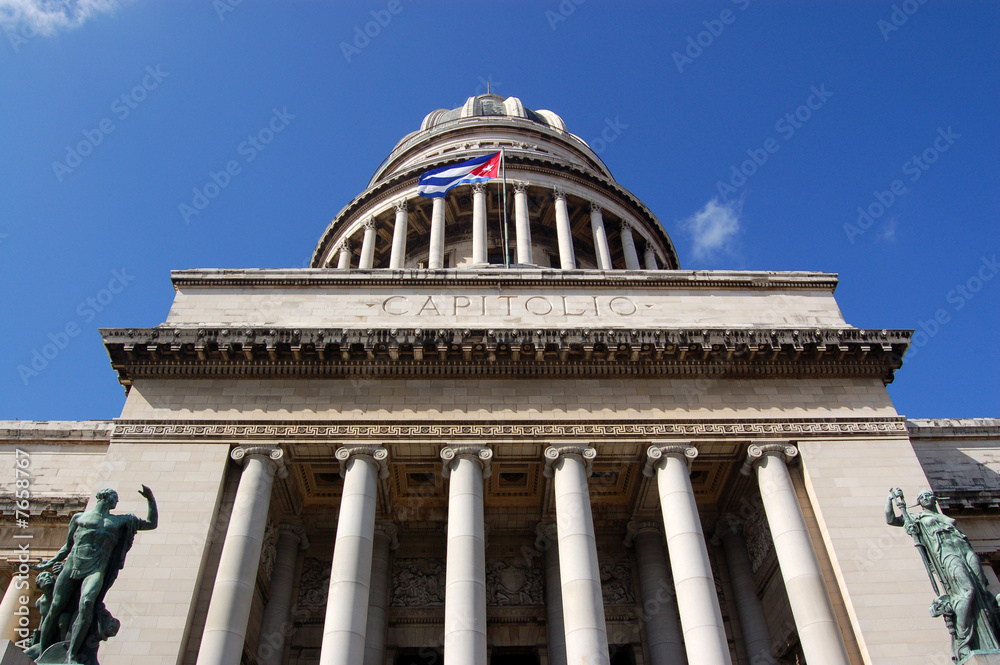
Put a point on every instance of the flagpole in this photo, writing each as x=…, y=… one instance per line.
x=506, y=241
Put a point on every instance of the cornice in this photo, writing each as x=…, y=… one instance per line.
x=310, y=353
x=954, y=428
x=593, y=431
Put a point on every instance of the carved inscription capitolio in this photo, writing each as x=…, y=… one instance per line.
x=503, y=305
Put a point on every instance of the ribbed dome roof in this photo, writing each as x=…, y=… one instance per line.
x=493, y=105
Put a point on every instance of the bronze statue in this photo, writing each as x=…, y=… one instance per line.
x=970, y=611
x=75, y=620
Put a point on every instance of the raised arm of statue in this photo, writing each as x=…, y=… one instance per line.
x=152, y=516
x=62, y=553
x=891, y=518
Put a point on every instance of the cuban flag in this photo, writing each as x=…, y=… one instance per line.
x=435, y=184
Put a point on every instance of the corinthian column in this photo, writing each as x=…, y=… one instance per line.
x=650, y=257
x=701, y=619
x=600, y=237
x=435, y=257
x=819, y=633
x=628, y=247
x=398, y=254
x=567, y=259
x=378, y=599
x=663, y=628
x=344, y=256
x=368, y=246
x=522, y=224
x=579, y=573
x=479, y=223
x=465, y=578
x=275, y=626
x=229, y=610
x=350, y=574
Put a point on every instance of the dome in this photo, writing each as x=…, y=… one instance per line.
x=492, y=105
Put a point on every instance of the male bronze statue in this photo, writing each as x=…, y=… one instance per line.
x=970, y=611
x=76, y=620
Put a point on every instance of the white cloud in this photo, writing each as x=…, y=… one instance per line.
x=714, y=228
x=47, y=16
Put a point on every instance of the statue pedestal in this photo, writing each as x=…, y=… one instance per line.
x=11, y=655
x=977, y=658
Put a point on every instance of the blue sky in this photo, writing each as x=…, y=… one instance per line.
x=890, y=107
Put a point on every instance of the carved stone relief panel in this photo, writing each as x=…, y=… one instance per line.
x=512, y=581
x=417, y=583
x=758, y=537
x=616, y=583
x=314, y=584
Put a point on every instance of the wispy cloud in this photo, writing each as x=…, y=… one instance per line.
x=714, y=228
x=48, y=16
x=888, y=232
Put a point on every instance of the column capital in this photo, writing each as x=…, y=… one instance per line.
x=548, y=531
x=635, y=527
x=370, y=223
x=390, y=531
x=520, y=186
x=402, y=206
x=297, y=529
x=451, y=454
x=478, y=187
x=657, y=453
x=596, y=207
x=552, y=454
x=345, y=245
x=558, y=194
x=727, y=525
x=271, y=453
x=758, y=451
x=378, y=454
x=627, y=226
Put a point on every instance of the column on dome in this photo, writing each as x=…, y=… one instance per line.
x=819, y=633
x=435, y=257
x=350, y=574
x=522, y=224
x=368, y=245
x=398, y=254
x=579, y=574
x=344, y=255
x=650, y=257
x=628, y=246
x=479, y=254
x=229, y=609
x=378, y=599
x=663, y=629
x=600, y=237
x=701, y=618
x=567, y=260
x=753, y=621
x=547, y=540
x=465, y=467
x=275, y=627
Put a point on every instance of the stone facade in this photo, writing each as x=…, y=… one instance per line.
x=434, y=446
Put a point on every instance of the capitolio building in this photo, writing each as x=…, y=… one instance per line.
x=469, y=437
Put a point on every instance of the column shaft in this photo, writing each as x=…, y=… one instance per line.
x=12, y=603
x=628, y=246
x=756, y=636
x=663, y=628
x=479, y=254
x=275, y=627
x=378, y=599
x=600, y=238
x=819, y=633
x=435, y=259
x=350, y=574
x=567, y=259
x=344, y=256
x=701, y=619
x=555, y=628
x=398, y=254
x=650, y=258
x=232, y=595
x=368, y=246
x=465, y=578
x=522, y=224
x=579, y=573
